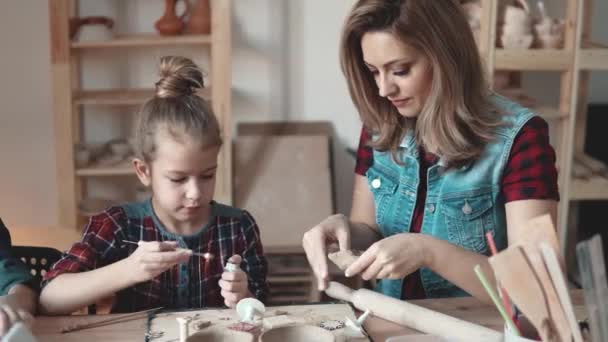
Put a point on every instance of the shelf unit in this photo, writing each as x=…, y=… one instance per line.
x=70, y=100
x=580, y=176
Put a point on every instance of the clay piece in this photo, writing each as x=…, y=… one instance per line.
x=200, y=325
x=250, y=308
x=332, y=324
x=245, y=327
x=343, y=259
x=151, y=335
x=278, y=321
x=355, y=328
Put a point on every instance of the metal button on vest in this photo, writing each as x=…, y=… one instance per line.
x=431, y=208
x=466, y=208
x=376, y=183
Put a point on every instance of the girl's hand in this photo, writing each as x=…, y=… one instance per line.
x=392, y=258
x=234, y=285
x=10, y=316
x=333, y=229
x=152, y=258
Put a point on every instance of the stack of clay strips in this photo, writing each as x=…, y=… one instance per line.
x=530, y=271
x=593, y=277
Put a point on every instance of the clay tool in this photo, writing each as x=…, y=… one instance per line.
x=503, y=312
x=515, y=273
x=206, y=256
x=413, y=316
x=598, y=269
x=591, y=301
x=505, y=296
x=552, y=263
x=557, y=314
x=113, y=320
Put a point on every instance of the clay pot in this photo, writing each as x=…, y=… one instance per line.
x=549, y=33
x=91, y=28
x=170, y=24
x=200, y=18
x=82, y=155
x=298, y=333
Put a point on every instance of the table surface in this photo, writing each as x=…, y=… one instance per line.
x=48, y=328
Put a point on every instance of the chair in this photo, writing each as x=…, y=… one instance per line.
x=38, y=260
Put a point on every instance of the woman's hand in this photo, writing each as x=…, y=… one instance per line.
x=9, y=316
x=234, y=284
x=333, y=229
x=393, y=257
x=152, y=258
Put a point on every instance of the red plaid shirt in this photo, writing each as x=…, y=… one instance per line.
x=530, y=173
x=191, y=285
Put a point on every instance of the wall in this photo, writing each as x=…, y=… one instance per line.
x=285, y=66
x=27, y=174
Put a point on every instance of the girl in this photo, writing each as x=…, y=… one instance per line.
x=447, y=158
x=177, y=144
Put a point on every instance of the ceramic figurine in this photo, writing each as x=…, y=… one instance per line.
x=517, y=26
x=200, y=18
x=170, y=24
x=549, y=31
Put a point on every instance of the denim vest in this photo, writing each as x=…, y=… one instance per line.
x=461, y=206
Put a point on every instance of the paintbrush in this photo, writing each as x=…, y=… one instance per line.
x=206, y=256
x=113, y=320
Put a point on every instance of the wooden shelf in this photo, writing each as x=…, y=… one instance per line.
x=549, y=113
x=122, y=169
x=594, y=56
x=595, y=188
x=120, y=97
x=143, y=40
x=533, y=59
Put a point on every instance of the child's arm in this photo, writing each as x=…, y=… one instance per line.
x=93, y=269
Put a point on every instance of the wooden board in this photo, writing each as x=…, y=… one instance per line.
x=285, y=182
x=221, y=319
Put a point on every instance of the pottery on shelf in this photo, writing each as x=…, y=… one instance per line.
x=170, y=23
x=516, y=31
x=200, y=18
x=82, y=155
x=549, y=31
x=120, y=148
x=93, y=28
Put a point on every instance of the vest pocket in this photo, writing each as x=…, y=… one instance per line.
x=383, y=188
x=468, y=218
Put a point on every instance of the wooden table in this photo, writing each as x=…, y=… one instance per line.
x=470, y=309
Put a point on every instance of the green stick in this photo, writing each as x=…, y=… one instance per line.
x=495, y=299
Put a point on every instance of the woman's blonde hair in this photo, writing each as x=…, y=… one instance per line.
x=177, y=108
x=457, y=120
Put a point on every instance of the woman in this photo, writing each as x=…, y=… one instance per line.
x=446, y=157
